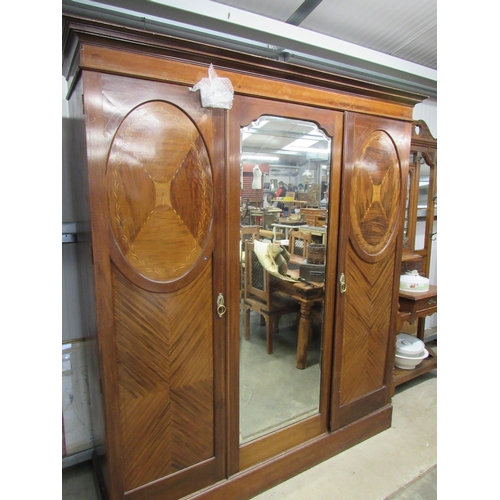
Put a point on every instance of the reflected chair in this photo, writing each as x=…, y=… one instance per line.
x=258, y=296
x=298, y=247
x=247, y=233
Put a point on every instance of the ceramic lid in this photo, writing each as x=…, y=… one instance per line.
x=408, y=345
x=413, y=279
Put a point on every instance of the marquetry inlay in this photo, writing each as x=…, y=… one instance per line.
x=162, y=191
x=159, y=185
x=375, y=193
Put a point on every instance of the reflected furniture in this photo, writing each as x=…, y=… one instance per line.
x=315, y=217
x=286, y=227
x=265, y=217
x=247, y=233
x=297, y=247
x=318, y=233
x=259, y=296
x=156, y=176
x=308, y=295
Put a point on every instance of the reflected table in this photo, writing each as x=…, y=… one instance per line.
x=287, y=228
x=307, y=294
x=264, y=217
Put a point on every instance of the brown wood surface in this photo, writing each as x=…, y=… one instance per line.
x=164, y=195
x=415, y=305
x=153, y=202
x=375, y=170
x=124, y=50
x=252, y=481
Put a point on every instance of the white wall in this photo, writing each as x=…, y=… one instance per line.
x=427, y=111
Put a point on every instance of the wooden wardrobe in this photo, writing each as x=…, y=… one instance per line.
x=157, y=177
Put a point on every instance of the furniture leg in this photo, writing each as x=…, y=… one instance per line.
x=304, y=334
x=421, y=328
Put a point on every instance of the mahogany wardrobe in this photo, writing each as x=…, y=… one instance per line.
x=156, y=179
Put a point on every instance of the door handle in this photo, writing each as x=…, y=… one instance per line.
x=221, y=307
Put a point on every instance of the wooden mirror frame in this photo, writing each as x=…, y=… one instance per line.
x=423, y=145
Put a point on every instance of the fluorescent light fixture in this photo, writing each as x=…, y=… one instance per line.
x=260, y=157
x=301, y=144
x=307, y=150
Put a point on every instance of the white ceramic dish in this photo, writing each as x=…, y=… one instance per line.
x=409, y=345
x=413, y=283
x=409, y=363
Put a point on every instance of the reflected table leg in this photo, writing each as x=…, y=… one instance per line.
x=304, y=337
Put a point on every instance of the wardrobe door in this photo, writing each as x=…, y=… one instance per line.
x=376, y=153
x=276, y=403
x=155, y=172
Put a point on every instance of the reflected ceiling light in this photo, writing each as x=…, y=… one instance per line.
x=301, y=144
x=259, y=157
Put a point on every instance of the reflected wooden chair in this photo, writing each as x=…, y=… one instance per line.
x=247, y=233
x=258, y=296
x=298, y=247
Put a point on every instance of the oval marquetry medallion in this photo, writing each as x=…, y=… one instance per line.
x=160, y=191
x=375, y=194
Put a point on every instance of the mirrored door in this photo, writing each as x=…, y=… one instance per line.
x=283, y=260
x=288, y=171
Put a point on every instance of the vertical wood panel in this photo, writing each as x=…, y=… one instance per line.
x=165, y=378
x=375, y=169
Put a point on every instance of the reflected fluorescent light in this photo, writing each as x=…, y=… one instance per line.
x=260, y=157
x=306, y=150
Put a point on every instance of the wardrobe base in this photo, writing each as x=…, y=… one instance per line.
x=251, y=482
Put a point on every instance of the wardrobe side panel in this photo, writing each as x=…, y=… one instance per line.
x=77, y=171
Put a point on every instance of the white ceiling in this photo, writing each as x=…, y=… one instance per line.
x=391, y=42
x=400, y=28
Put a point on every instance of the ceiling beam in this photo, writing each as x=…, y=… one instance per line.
x=303, y=11
x=230, y=27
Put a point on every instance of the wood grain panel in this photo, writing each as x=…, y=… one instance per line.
x=158, y=170
x=375, y=194
x=366, y=326
x=165, y=378
x=375, y=169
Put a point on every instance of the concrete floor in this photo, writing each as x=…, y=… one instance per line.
x=397, y=464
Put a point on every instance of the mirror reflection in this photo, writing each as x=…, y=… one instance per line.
x=284, y=173
x=422, y=202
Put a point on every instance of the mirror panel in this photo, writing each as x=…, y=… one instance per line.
x=422, y=202
x=280, y=384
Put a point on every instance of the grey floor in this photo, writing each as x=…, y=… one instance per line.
x=397, y=464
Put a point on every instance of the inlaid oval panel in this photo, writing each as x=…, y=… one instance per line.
x=160, y=191
x=375, y=193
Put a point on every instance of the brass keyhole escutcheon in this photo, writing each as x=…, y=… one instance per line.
x=343, y=286
x=221, y=307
